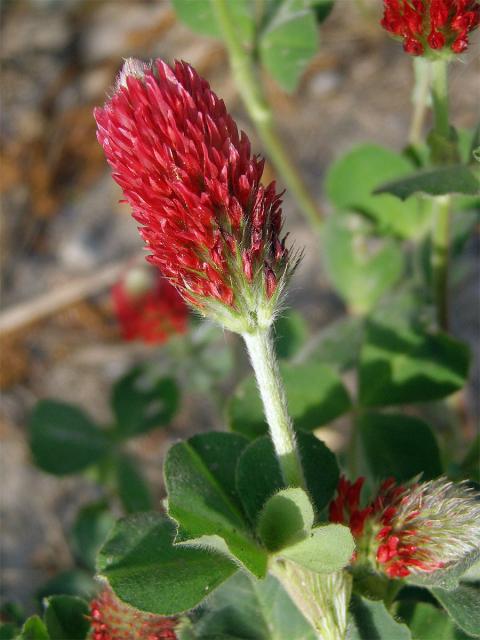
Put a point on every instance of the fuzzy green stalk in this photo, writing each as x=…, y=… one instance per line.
x=439, y=88
x=441, y=219
x=247, y=82
x=262, y=356
x=323, y=599
x=421, y=70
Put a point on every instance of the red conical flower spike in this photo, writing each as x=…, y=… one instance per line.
x=412, y=529
x=111, y=619
x=147, y=307
x=431, y=25
x=194, y=186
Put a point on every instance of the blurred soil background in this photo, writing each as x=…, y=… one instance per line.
x=64, y=232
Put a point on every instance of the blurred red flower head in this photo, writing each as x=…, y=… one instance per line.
x=431, y=24
x=147, y=307
x=194, y=186
x=112, y=619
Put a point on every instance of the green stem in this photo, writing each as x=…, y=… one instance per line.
x=262, y=355
x=441, y=229
x=440, y=254
x=251, y=92
x=441, y=124
x=421, y=69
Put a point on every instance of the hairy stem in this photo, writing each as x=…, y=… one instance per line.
x=439, y=85
x=323, y=599
x=251, y=92
x=421, y=70
x=262, y=355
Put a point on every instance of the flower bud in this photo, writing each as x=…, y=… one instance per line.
x=147, y=307
x=112, y=619
x=413, y=529
x=194, y=186
x=428, y=26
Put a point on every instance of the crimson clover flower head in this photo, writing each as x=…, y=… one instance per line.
x=195, y=188
x=112, y=619
x=147, y=307
x=413, y=529
x=428, y=26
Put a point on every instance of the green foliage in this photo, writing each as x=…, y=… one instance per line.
x=202, y=497
x=463, y=605
x=89, y=532
x=402, y=365
x=400, y=446
x=147, y=571
x=63, y=439
x=322, y=8
x=328, y=548
x=470, y=465
x=67, y=617
x=429, y=623
x=288, y=41
x=339, y=343
x=258, y=610
x=286, y=518
x=352, y=180
x=199, y=17
x=34, y=629
x=290, y=331
x=434, y=182
x=361, y=267
x=283, y=33
x=8, y=631
x=315, y=395
x=141, y=402
x=133, y=490
x=72, y=582
x=370, y=620
x=320, y=468
x=258, y=474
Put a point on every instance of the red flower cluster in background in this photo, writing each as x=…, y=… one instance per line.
x=416, y=528
x=147, y=307
x=193, y=183
x=431, y=24
x=111, y=619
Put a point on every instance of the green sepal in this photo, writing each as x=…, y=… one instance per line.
x=327, y=548
x=286, y=518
